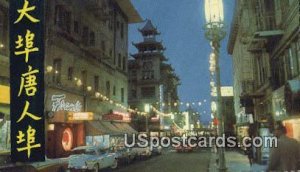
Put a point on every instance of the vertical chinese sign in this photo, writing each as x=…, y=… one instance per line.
x=27, y=80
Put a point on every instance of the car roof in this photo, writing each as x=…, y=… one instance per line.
x=84, y=147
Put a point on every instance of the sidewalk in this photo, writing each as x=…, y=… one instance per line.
x=235, y=162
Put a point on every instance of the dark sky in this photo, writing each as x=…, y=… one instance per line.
x=181, y=25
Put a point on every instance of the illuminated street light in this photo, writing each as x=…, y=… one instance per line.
x=215, y=32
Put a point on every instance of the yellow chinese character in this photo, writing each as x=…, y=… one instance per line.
x=30, y=144
x=25, y=113
x=28, y=81
x=24, y=12
x=29, y=37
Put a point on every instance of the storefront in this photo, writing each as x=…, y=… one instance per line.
x=65, y=122
x=109, y=131
x=4, y=118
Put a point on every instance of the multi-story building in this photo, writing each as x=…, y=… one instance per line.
x=264, y=43
x=86, y=52
x=151, y=80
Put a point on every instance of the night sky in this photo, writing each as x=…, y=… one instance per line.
x=181, y=25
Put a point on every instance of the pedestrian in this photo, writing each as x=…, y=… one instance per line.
x=249, y=151
x=286, y=156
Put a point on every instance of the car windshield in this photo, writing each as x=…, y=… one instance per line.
x=84, y=151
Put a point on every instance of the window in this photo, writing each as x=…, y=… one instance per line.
x=85, y=35
x=114, y=90
x=63, y=18
x=92, y=38
x=118, y=25
x=122, y=95
x=293, y=61
x=84, y=78
x=133, y=93
x=298, y=51
x=110, y=52
x=96, y=83
x=103, y=47
x=122, y=30
x=107, y=88
x=76, y=27
x=70, y=73
x=148, y=92
x=119, y=60
x=124, y=63
x=147, y=74
x=68, y=21
x=57, y=71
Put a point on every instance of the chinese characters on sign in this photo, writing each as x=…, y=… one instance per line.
x=27, y=80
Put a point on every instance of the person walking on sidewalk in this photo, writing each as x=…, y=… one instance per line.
x=249, y=152
x=286, y=156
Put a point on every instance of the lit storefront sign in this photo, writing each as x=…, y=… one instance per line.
x=80, y=116
x=27, y=80
x=67, y=139
x=5, y=94
x=117, y=116
x=59, y=103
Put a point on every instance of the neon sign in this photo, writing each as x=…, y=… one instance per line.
x=59, y=103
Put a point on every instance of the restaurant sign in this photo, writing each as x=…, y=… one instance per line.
x=59, y=103
x=27, y=80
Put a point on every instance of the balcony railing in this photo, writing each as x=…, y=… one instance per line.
x=266, y=22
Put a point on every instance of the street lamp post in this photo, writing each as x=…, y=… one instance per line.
x=215, y=32
x=147, y=110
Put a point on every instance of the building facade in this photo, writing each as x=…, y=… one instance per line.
x=151, y=80
x=86, y=52
x=264, y=44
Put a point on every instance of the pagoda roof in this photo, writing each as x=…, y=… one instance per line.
x=149, y=29
x=149, y=45
x=149, y=54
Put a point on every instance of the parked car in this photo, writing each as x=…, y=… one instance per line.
x=156, y=150
x=124, y=155
x=182, y=148
x=91, y=158
x=142, y=152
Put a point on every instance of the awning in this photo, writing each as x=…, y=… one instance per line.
x=97, y=128
x=125, y=127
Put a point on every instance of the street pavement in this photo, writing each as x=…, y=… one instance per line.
x=235, y=162
x=171, y=161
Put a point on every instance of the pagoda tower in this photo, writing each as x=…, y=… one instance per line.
x=145, y=75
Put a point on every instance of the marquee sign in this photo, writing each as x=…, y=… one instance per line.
x=27, y=80
x=59, y=103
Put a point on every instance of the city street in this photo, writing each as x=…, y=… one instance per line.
x=172, y=161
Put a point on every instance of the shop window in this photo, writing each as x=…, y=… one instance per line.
x=70, y=73
x=122, y=95
x=148, y=92
x=96, y=83
x=57, y=71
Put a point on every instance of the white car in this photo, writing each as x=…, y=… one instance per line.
x=91, y=158
x=142, y=151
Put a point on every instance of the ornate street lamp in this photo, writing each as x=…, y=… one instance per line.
x=147, y=108
x=215, y=32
